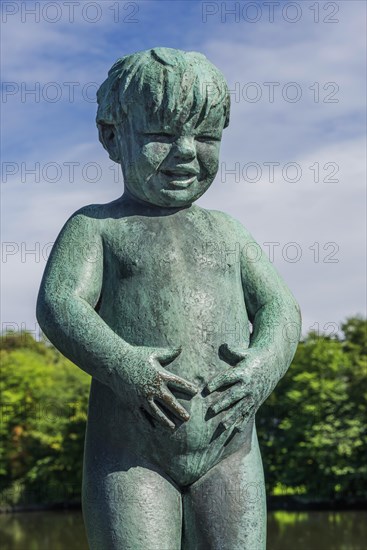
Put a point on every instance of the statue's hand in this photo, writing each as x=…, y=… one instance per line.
x=245, y=384
x=148, y=381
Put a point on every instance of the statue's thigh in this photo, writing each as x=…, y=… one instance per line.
x=226, y=508
x=129, y=506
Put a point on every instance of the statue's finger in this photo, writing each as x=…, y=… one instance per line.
x=156, y=412
x=229, y=399
x=227, y=378
x=232, y=354
x=174, y=406
x=237, y=414
x=180, y=383
x=166, y=356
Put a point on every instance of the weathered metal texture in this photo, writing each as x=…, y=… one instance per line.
x=152, y=296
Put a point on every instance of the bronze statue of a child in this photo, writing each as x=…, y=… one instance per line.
x=159, y=316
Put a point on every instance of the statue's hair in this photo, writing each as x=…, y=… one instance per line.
x=165, y=82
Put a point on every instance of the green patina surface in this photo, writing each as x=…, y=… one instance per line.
x=153, y=296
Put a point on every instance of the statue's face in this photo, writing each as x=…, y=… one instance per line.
x=169, y=166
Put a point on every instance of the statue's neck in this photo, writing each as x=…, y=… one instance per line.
x=145, y=207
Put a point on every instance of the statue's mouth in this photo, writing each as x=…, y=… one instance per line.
x=180, y=178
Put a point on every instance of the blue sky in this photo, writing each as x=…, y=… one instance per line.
x=298, y=113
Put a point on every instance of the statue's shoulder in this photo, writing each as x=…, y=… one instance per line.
x=226, y=221
x=87, y=223
x=94, y=215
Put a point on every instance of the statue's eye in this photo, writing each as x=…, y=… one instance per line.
x=207, y=138
x=162, y=136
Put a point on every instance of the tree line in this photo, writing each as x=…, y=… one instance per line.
x=312, y=429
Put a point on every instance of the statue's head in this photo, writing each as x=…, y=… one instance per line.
x=161, y=114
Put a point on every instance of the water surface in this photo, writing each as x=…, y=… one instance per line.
x=286, y=531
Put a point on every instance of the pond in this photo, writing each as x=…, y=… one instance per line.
x=286, y=531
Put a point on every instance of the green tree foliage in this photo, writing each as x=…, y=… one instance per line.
x=43, y=414
x=312, y=429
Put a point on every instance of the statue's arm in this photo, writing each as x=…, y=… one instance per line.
x=70, y=289
x=271, y=307
x=255, y=370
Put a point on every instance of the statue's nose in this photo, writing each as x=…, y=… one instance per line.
x=185, y=148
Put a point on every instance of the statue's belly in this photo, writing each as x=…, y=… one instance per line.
x=199, y=315
x=184, y=454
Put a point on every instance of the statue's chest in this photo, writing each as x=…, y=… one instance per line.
x=173, y=249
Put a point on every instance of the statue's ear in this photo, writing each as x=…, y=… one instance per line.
x=108, y=138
